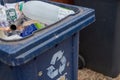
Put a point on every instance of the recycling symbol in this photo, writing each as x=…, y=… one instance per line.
x=52, y=71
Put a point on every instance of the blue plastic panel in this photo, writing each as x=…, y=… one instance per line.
x=56, y=63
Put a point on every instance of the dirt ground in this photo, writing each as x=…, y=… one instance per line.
x=87, y=74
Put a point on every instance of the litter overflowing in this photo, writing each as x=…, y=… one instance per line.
x=21, y=19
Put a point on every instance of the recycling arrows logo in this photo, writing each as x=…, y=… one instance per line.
x=52, y=71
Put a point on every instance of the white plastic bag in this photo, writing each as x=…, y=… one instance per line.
x=3, y=17
x=45, y=12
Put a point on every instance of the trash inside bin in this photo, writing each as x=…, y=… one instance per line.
x=48, y=54
x=18, y=19
x=100, y=42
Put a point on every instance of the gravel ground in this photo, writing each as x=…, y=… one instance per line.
x=87, y=74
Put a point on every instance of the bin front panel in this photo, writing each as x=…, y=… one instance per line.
x=57, y=63
x=6, y=72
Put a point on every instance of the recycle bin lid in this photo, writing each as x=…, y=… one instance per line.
x=20, y=52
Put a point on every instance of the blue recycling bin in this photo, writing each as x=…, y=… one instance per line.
x=49, y=54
